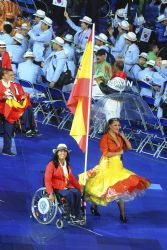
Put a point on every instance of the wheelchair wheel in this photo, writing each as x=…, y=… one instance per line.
x=59, y=223
x=43, y=210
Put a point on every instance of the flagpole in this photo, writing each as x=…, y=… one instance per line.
x=89, y=105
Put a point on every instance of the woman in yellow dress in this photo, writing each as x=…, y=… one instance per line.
x=109, y=180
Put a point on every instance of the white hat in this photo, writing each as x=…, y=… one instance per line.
x=58, y=40
x=151, y=63
x=144, y=55
x=60, y=146
x=96, y=48
x=29, y=54
x=131, y=36
x=68, y=38
x=164, y=63
x=2, y=44
x=6, y=22
x=139, y=21
x=18, y=37
x=121, y=13
x=86, y=19
x=161, y=18
x=102, y=37
x=40, y=13
x=124, y=25
x=24, y=26
x=47, y=21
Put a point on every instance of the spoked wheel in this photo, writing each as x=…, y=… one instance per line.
x=59, y=223
x=43, y=210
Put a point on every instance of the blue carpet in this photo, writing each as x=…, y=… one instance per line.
x=21, y=176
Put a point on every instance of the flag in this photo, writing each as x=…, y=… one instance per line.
x=145, y=36
x=60, y=3
x=80, y=98
x=13, y=110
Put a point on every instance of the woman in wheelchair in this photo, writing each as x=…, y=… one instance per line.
x=59, y=179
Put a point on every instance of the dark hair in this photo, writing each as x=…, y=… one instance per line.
x=56, y=159
x=119, y=65
x=101, y=52
x=7, y=28
x=3, y=72
x=153, y=46
x=110, y=121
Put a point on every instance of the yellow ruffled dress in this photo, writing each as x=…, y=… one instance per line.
x=109, y=181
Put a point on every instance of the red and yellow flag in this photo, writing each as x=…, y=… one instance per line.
x=13, y=110
x=79, y=100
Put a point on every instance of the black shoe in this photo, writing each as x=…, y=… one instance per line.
x=123, y=219
x=94, y=210
x=8, y=153
x=35, y=133
x=29, y=133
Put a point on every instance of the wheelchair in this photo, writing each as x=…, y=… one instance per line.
x=45, y=210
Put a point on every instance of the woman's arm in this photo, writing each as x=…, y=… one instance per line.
x=126, y=141
x=48, y=178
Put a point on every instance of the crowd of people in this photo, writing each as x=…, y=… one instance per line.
x=31, y=50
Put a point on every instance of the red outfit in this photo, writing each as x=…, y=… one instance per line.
x=107, y=144
x=6, y=63
x=12, y=113
x=55, y=179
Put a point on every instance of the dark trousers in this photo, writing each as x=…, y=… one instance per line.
x=28, y=120
x=73, y=197
x=8, y=129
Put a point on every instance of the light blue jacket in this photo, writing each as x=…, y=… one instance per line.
x=6, y=38
x=17, y=52
x=119, y=45
x=131, y=56
x=54, y=65
x=81, y=37
x=39, y=41
x=29, y=71
x=70, y=53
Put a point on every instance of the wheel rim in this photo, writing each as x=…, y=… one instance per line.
x=43, y=210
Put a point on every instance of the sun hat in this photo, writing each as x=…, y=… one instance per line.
x=60, y=146
x=2, y=44
x=40, y=13
x=29, y=54
x=86, y=19
x=47, y=21
x=131, y=36
x=143, y=55
x=18, y=37
x=69, y=38
x=124, y=25
x=58, y=40
x=102, y=37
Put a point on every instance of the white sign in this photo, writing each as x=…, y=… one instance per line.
x=60, y=3
x=145, y=36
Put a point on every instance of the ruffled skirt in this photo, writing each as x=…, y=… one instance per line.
x=110, y=181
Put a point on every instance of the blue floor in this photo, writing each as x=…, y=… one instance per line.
x=20, y=176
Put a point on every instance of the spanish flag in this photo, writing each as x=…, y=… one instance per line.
x=13, y=109
x=79, y=101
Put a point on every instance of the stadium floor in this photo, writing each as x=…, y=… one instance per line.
x=21, y=176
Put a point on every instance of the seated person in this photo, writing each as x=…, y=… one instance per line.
x=59, y=178
x=27, y=120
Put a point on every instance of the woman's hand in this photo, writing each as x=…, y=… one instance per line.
x=120, y=152
x=122, y=134
x=52, y=197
